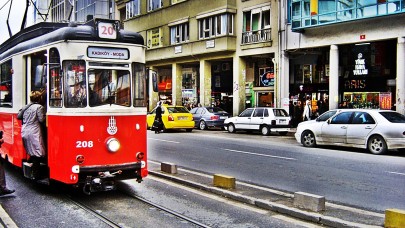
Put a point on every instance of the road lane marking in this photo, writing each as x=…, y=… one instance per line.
x=162, y=140
x=263, y=155
x=403, y=174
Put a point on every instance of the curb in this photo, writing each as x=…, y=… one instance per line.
x=265, y=204
x=5, y=219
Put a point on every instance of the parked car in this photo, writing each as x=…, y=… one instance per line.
x=205, y=117
x=261, y=119
x=375, y=130
x=174, y=117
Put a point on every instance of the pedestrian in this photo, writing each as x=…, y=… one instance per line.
x=306, y=115
x=158, y=123
x=32, y=133
x=3, y=187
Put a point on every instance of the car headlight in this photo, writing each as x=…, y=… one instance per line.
x=113, y=145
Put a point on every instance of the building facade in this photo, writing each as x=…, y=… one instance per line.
x=344, y=53
x=207, y=52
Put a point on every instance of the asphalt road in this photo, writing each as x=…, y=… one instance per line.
x=34, y=205
x=347, y=176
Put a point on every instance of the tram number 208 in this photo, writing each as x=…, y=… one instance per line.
x=84, y=144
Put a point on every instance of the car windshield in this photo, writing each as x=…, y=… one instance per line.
x=177, y=110
x=393, y=117
x=325, y=116
x=215, y=110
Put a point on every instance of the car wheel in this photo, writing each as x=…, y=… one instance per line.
x=231, y=128
x=308, y=139
x=376, y=145
x=189, y=129
x=283, y=133
x=203, y=125
x=265, y=130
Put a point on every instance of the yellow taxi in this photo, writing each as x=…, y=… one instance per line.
x=174, y=117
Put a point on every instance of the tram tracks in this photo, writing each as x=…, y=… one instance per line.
x=111, y=223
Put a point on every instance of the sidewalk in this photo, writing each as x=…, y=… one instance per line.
x=334, y=216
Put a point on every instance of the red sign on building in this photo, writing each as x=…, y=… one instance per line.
x=385, y=100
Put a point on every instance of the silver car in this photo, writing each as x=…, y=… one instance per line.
x=261, y=119
x=375, y=130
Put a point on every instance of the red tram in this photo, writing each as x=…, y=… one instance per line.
x=95, y=81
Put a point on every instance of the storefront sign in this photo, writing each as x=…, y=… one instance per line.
x=107, y=53
x=267, y=78
x=385, y=100
x=360, y=66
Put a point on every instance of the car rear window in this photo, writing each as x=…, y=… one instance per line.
x=216, y=110
x=280, y=112
x=177, y=110
x=393, y=117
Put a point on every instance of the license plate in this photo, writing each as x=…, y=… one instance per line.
x=281, y=121
x=182, y=118
x=223, y=117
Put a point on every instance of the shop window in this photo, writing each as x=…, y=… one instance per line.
x=6, y=82
x=179, y=33
x=154, y=4
x=218, y=25
x=154, y=37
x=132, y=8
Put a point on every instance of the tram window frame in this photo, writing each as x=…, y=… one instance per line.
x=6, y=82
x=74, y=83
x=55, y=82
x=108, y=87
x=39, y=69
x=139, y=84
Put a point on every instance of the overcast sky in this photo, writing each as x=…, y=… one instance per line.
x=15, y=19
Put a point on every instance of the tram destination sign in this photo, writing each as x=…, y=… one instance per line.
x=107, y=53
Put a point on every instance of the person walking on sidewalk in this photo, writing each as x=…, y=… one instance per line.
x=158, y=123
x=3, y=187
x=306, y=115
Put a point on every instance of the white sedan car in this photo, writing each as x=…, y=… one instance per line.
x=261, y=119
x=375, y=130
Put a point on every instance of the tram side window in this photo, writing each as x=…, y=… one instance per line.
x=6, y=73
x=108, y=87
x=38, y=71
x=75, y=94
x=139, y=84
x=55, y=84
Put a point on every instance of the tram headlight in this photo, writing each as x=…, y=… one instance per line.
x=113, y=145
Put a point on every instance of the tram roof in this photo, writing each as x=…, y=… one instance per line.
x=47, y=32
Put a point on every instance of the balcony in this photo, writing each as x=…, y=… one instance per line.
x=257, y=36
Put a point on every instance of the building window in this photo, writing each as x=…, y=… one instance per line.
x=84, y=9
x=256, y=25
x=308, y=13
x=58, y=10
x=179, y=33
x=154, y=37
x=133, y=8
x=218, y=25
x=154, y=4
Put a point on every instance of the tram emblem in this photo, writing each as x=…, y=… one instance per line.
x=112, y=126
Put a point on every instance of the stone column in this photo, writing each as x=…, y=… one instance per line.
x=400, y=83
x=176, y=83
x=333, y=77
x=284, y=76
x=205, y=83
x=238, y=85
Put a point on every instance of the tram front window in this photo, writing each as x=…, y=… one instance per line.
x=109, y=87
